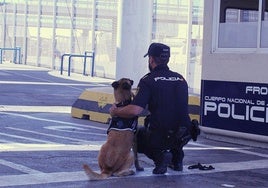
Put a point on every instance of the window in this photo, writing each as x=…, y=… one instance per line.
x=264, y=25
x=242, y=24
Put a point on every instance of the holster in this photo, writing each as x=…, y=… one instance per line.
x=178, y=139
x=183, y=136
x=167, y=139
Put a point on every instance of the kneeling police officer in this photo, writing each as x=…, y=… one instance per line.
x=165, y=94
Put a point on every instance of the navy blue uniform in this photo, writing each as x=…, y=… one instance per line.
x=166, y=94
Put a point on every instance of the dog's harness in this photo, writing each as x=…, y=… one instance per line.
x=123, y=124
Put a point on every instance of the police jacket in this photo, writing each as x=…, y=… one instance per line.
x=166, y=94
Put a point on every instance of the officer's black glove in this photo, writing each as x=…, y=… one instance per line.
x=194, y=129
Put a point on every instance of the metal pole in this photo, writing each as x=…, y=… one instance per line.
x=38, y=33
x=1, y=55
x=4, y=29
x=25, y=32
x=72, y=27
x=54, y=44
x=69, y=65
x=92, y=64
x=189, y=40
x=15, y=53
x=259, y=25
x=14, y=27
x=19, y=49
x=85, y=62
x=93, y=38
x=61, y=62
x=75, y=55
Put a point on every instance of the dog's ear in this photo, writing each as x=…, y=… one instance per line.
x=131, y=82
x=115, y=84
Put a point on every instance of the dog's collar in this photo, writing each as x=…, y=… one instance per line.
x=123, y=103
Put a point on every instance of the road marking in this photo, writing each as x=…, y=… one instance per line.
x=90, y=146
x=61, y=177
x=70, y=85
x=65, y=129
x=47, y=83
x=48, y=135
x=100, y=128
x=25, y=138
x=4, y=141
x=227, y=185
x=11, y=68
x=90, y=82
x=19, y=167
x=77, y=77
x=51, y=109
x=53, y=121
x=85, y=146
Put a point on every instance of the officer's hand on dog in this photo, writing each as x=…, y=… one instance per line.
x=112, y=110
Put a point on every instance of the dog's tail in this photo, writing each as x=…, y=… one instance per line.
x=94, y=175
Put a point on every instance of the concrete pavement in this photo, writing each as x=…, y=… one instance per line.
x=41, y=145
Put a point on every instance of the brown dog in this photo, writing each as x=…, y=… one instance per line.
x=115, y=156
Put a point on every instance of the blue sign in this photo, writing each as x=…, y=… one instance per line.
x=235, y=106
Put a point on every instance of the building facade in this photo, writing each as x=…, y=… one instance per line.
x=234, y=97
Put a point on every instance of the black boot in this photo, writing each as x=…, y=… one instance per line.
x=177, y=160
x=162, y=160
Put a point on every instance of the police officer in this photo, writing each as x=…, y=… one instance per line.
x=165, y=93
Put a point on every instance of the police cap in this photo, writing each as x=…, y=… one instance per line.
x=158, y=50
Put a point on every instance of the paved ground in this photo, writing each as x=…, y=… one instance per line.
x=41, y=145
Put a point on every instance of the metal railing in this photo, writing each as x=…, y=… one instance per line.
x=17, y=53
x=85, y=56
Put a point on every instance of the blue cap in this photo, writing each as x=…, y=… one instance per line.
x=158, y=50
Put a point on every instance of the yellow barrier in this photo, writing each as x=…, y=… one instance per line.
x=94, y=105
